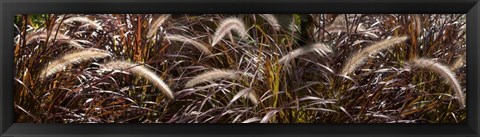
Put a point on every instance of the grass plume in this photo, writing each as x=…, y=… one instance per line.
x=304, y=50
x=143, y=72
x=152, y=30
x=70, y=59
x=358, y=58
x=267, y=75
x=252, y=97
x=184, y=39
x=212, y=75
x=247, y=93
x=272, y=20
x=42, y=36
x=84, y=20
x=443, y=71
x=226, y=26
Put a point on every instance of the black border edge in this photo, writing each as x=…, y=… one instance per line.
x=473, y=42
x=3, y=124
x=7, y=11
x=2, y=130
x=245, y=6
x=6, y=72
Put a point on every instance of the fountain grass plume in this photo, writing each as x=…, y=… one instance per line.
x=152, y=30
x=272, y=20
x=72, y=58
x=304, y=50
x=184, y=39
x=226, y=26
x=143, y=72
x=42, y=35
x=357, y=59
x=212, y=75
x=444, y=72
x=84, y=20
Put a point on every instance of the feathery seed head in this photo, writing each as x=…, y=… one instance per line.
x=304, y=50
x=143, y=72
x=184, y=39
x=444, y=72
x=272, y=20
x=70, y=59
x=42, y=36
x=358, y=58
x=226, y=26
x=85, y=20
x=213, y=75
x=152, y=30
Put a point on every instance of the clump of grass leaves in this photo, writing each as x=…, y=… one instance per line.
x=240, y=68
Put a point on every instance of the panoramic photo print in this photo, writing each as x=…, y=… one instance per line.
x=240, y=68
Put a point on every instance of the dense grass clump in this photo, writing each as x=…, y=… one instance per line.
x=246, y=68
